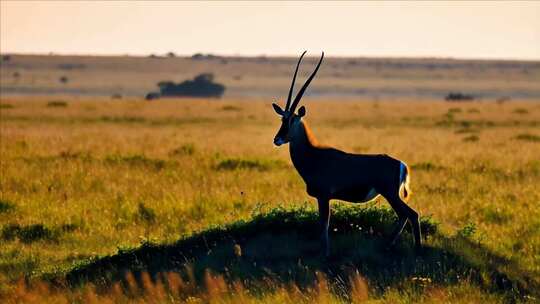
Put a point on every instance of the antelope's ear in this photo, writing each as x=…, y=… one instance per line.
x=302, y=111
x=278, y=109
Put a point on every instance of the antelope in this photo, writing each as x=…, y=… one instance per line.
x=333, y=174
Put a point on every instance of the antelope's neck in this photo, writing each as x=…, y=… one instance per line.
x=302, y=147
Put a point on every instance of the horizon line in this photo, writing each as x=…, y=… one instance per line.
x=182, y=55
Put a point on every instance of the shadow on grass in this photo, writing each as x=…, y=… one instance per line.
x=283, y=245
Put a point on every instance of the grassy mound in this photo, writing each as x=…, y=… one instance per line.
x=283, y=245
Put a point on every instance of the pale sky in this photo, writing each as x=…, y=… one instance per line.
x=506, y=30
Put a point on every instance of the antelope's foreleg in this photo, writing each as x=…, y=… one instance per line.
x=324, y=221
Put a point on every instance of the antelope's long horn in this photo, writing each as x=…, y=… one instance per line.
x=304, y=87
x=293, y=80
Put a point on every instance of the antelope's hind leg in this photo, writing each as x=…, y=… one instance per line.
x=402, y=221
x=405, y=213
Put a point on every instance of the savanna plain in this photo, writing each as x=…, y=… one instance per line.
x=187, y=200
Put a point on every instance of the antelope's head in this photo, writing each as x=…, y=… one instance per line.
x=288, y=116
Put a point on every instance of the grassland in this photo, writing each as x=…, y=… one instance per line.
x=176, y=200
x=368, y=78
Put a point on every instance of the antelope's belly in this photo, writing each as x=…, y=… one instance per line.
x=356, y=194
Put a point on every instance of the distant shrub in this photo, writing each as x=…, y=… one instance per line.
x=16, y=75
x=467, y=231
x=473, y=110
x=6, y=106
x=466, y=130
x=200, y=56
x=458, y=96
x=28, y=234
x=427, y=166
x=69, y=227
x=71, y=66
x=152, y=96
x=197, y=56
x=230, y=108
x=116, y=96
x=454, y=110
x=472, y=138
x=63, y=79
x=57, y=104
x=136, y=160
x=202, y=85
x=521, y=111
x=146, y=214
x=123, y=119
x=185, y=149
x=528, y=137
x=171, y=55
x=251, y=164
x=6, y=206
x=67, y=155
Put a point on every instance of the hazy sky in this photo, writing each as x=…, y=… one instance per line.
x=441, y=29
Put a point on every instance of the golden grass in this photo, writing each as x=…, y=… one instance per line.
x=121, y=172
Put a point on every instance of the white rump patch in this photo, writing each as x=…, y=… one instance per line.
x=403, y=180
x=401, y=173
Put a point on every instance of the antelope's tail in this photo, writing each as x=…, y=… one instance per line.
x=404, y=178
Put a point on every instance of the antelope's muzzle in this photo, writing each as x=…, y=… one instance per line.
x=278, y=141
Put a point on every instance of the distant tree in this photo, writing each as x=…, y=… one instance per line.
x=171, y=55
x=6, y=58
x=197, y=56
x=202, y=85
x=458, y=96
x=200, y=56
x=16, y=75
x=71, y=66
